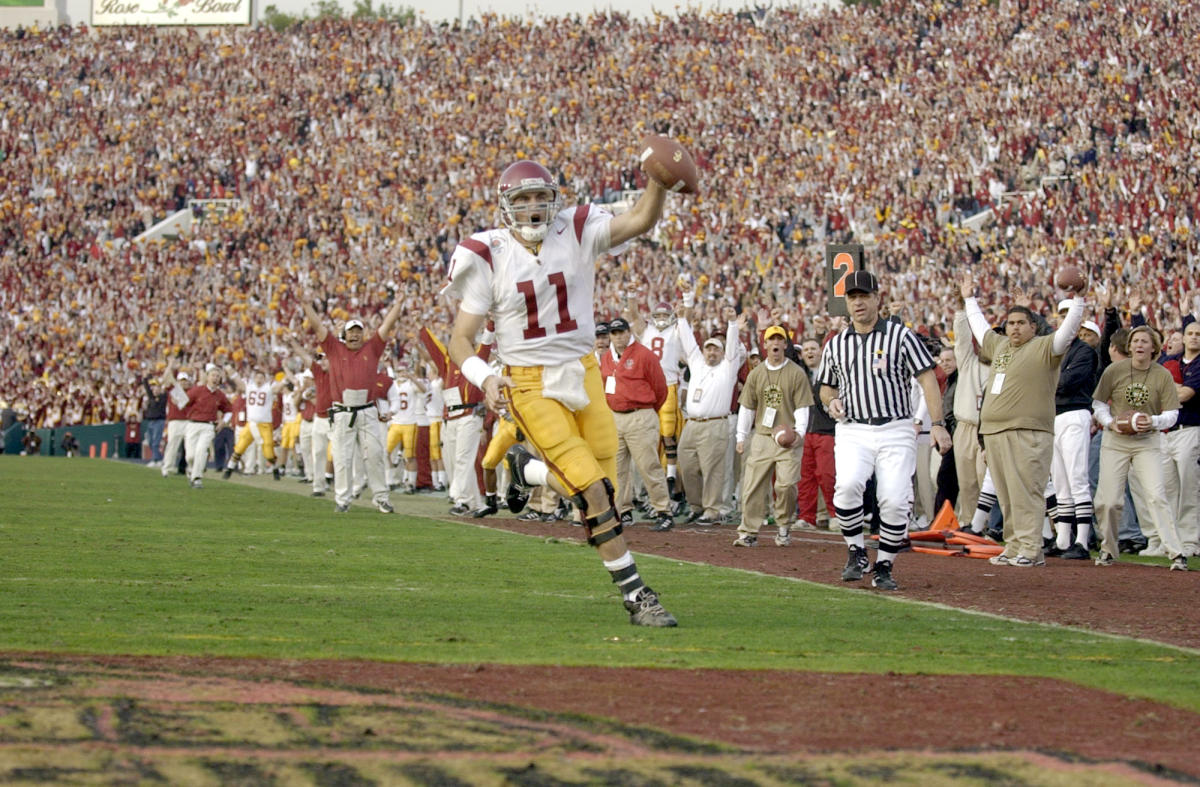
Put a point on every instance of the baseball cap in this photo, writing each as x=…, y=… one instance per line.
x=861, y=281
x=619, y=324
x=602, y=329
x=754, y=351
x=774, y=330
x=1091, y=326
x=662, y=306
x=715, y=340
x=353, y=324
x=182, y=376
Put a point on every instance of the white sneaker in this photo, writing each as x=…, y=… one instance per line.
x=784, y=538
x=1154, y=551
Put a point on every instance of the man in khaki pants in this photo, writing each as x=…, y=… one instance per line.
x=636, y=388
x=777, y=393
x=705, y=437
x=1017, y=418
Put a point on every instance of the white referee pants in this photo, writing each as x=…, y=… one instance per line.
x=364, y=436
x=176, y=436
x=888, y=452
x=460, y=446
x=198, y=441
x=318, y=452
x=1069, y=468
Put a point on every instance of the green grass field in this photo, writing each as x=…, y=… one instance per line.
x=107, y=557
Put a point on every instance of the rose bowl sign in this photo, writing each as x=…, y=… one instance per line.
x=170, y=12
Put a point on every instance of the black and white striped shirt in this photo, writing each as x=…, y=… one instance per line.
x=874, y=371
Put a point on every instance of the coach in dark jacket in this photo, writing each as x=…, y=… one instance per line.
x=154, y=418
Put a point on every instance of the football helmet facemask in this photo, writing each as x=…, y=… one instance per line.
x=663, y=316
x=528, y=220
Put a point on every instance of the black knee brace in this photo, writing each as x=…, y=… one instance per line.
x=591, y=523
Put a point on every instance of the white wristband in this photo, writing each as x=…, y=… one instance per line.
x=476, y=370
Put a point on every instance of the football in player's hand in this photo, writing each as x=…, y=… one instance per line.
x=1124, y=424
x=1141, y=422
x=785, y=436
x=1070, y=277
x=669, y=163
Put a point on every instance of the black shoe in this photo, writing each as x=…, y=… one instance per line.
x=517, y=494
x=530, y=516
x=694, y=517
x=647, y=611
x=662, y=523
x=1053, y=550
x=704, y=521
x=277, y=473
x=490, y=506
x=882, y=578
x=856, y=565
x=626, y=519
x=550, y=517
x=460, y=510
x=678, y=507
x=995, y=535
x=227, y=473
x=1076, y=552
x=318, y=494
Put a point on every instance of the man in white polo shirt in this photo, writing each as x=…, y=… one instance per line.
x=713, y=374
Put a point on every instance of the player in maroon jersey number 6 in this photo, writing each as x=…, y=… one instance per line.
x=536, y=277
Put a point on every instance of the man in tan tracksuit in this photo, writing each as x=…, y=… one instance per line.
x=1017, y=419
x=777, y=393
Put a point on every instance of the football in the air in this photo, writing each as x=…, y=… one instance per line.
x=1070, y=277
x=669, y=163
x=1124, y=424
x=785, y=436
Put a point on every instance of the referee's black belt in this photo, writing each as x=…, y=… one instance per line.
x=877, y=421
x=338, y=407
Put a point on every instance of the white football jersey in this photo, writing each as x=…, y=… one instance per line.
x=436, y=402
x=403, y=399
x=665, y=345
x=259, y=401
x=290, y=411
x=542, y=305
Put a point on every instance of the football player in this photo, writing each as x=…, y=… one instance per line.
x=536, y=276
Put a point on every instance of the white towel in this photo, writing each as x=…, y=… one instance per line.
x=564, y=384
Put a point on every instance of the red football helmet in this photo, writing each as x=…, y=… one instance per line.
x=663, y=315
x=533, y=221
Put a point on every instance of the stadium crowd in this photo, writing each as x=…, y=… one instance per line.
x=363, y=151
x=1008, y=136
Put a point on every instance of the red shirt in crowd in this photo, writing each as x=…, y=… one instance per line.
x=640, y=382
x=352, y=370
x=204, y=403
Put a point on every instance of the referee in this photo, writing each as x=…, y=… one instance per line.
x=866, y=382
